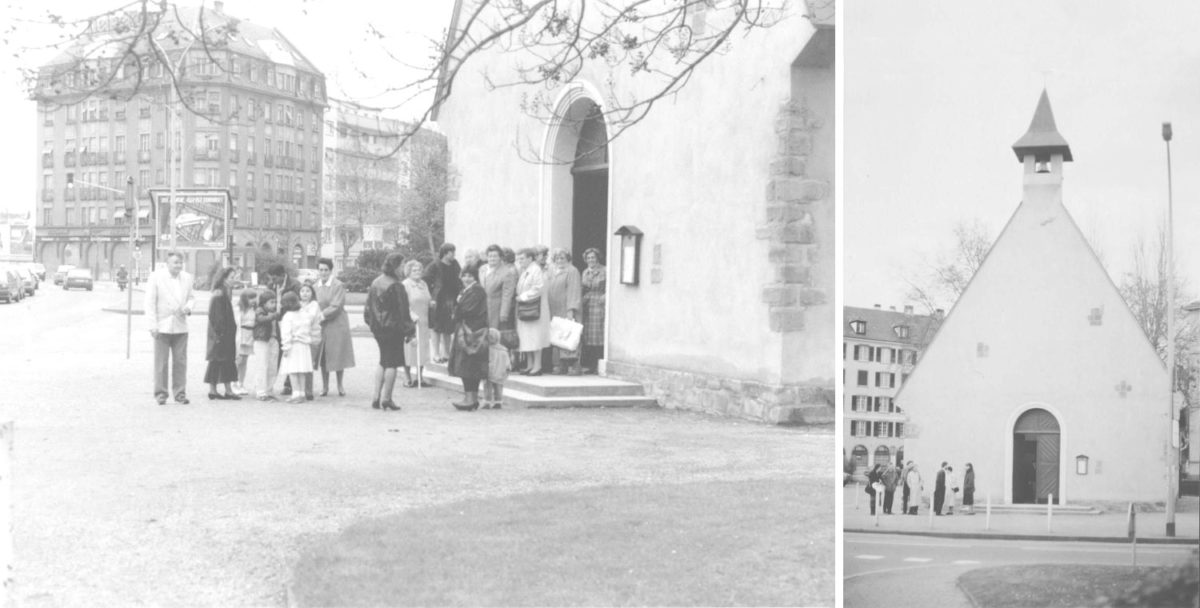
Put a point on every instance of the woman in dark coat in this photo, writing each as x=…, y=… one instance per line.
x=469, y=354
x=387, y=314
x=222, y=338
x=442, y=277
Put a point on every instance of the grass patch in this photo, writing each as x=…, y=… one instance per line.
x=713, y=543
x=1055, y=585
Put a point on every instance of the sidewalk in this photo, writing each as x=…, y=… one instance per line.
x=1106, y=527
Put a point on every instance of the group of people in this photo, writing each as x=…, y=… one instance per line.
x=483, y=318
x=885, y=478
x=282, y=329
x=490, y=315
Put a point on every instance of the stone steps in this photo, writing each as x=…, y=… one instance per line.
x=550, y=391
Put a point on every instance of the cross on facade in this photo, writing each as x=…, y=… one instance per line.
x=1123, y=388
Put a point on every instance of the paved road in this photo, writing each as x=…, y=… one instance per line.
x=905, y=570
x=119, y=501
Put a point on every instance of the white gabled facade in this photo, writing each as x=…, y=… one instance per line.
x=1042, y=327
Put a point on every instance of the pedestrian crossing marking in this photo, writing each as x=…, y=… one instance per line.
x=965, y=562
x=919, y=560
x=869, y=556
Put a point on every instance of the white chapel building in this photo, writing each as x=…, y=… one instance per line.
x=1040, y=376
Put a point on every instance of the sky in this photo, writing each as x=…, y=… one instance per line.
x=333, y=34
x=936, y=93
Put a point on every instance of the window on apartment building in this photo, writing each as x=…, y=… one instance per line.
x=144, y=142
x=160, y=177
x=908, y=357
x=267, y=146
x=901, y=331
x=899, y=429
x=250, y=145
x=144, y=179
x=70, y=217
x=859, y=327
x=885, y=379
x=862, y=377
x=903, y=379
x=233, y=177
x=47, y=215
x=862, y=352
x=884, y=354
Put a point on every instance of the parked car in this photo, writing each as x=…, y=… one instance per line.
x=78, y=277
x=40, y=269
x=29, y=281
x=308, y=274
x=10, y=285
x=61, y=274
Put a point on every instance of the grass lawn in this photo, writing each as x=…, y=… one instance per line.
x=712, y=543
x=1051, y=585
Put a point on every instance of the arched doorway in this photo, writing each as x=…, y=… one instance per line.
x=882, y=455
x=575, y=207
x=589, y=200
x=1036, y=448
x=859, y=456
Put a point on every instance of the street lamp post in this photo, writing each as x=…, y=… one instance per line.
x=1172, y=451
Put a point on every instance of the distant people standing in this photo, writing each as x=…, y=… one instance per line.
x=915, y=485
x=337, y=348
x=388, y=316
x=968, y=488
x=594, y=283
x=873, y=477
x=169, y=302
x=222, y=338
x=891, y=475
x=905, y=490
x=939, y=490
x=442, y=277
x=952, y=484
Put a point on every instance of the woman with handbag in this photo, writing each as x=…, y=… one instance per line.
x=594, y=281
x=469, y=349
x=533, y=312
x=564, y=292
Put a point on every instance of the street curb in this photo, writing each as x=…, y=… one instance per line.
x=981, y=535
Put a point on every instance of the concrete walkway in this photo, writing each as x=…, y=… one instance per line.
x=913, y=586
x=1107, y=527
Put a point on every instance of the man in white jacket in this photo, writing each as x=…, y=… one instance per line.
x=169, y=301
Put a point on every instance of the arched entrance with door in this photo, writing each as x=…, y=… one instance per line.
x=883, y=455
x=1036, y=456
x=575, y=208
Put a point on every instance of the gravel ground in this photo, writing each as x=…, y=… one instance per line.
x=119, y=501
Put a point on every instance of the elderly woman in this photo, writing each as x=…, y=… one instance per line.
x=533, y=311
x=337, y=349
x=499, y=282
x=564, y=292
x=594, y=283
x=387, y=314
x=416, y=352
x=469, y=353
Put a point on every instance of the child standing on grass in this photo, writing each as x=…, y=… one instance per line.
x=247, y=303
x=295, y=335
x=260, y=368
x=498, y=364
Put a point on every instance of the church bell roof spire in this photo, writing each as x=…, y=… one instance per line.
x=1042, y=139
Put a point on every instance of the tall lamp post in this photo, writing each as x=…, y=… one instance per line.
x=131, y=212
x=1172, y=450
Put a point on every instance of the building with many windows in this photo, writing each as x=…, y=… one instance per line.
x=249, y=120
x=880, y=348
x=365, y=177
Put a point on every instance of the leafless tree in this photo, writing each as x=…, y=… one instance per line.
x=1144, y=289
x=423, y=201
x=646, y=51
x=365, y=191
x=939, y=284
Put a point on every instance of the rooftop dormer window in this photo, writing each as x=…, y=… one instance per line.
x=901, y=331
x=858, y=327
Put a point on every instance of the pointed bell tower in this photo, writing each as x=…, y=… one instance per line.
x=1042, y=151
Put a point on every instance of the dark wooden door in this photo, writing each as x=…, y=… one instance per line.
x=589, y=215
x=1047, y=468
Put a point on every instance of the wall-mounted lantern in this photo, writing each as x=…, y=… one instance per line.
x=1081, y=465
x=631, y=253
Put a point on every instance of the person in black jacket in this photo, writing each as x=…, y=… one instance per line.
x=469, y=353
x=387, y=314
x=939, y=490
x=442, y=277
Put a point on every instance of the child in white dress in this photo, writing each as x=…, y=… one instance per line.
x=311, y=311
x=295, y=335
x=247, y=303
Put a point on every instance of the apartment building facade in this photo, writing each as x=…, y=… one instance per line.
x=879, y=350
x=244, y=116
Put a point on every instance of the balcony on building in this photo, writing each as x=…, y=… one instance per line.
x=69, y=159
x=102, y=158
x=205, y=154
x=143, y=156
x=251, y=158
x=234, y=156
x=268, y=160
x=47, y=160
x=47, y=194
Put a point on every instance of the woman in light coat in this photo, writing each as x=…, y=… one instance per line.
x=565, y=293
x=416, y=351
x=533, y=334
x=337, y=348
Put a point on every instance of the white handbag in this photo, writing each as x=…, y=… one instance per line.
x=565, y=333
